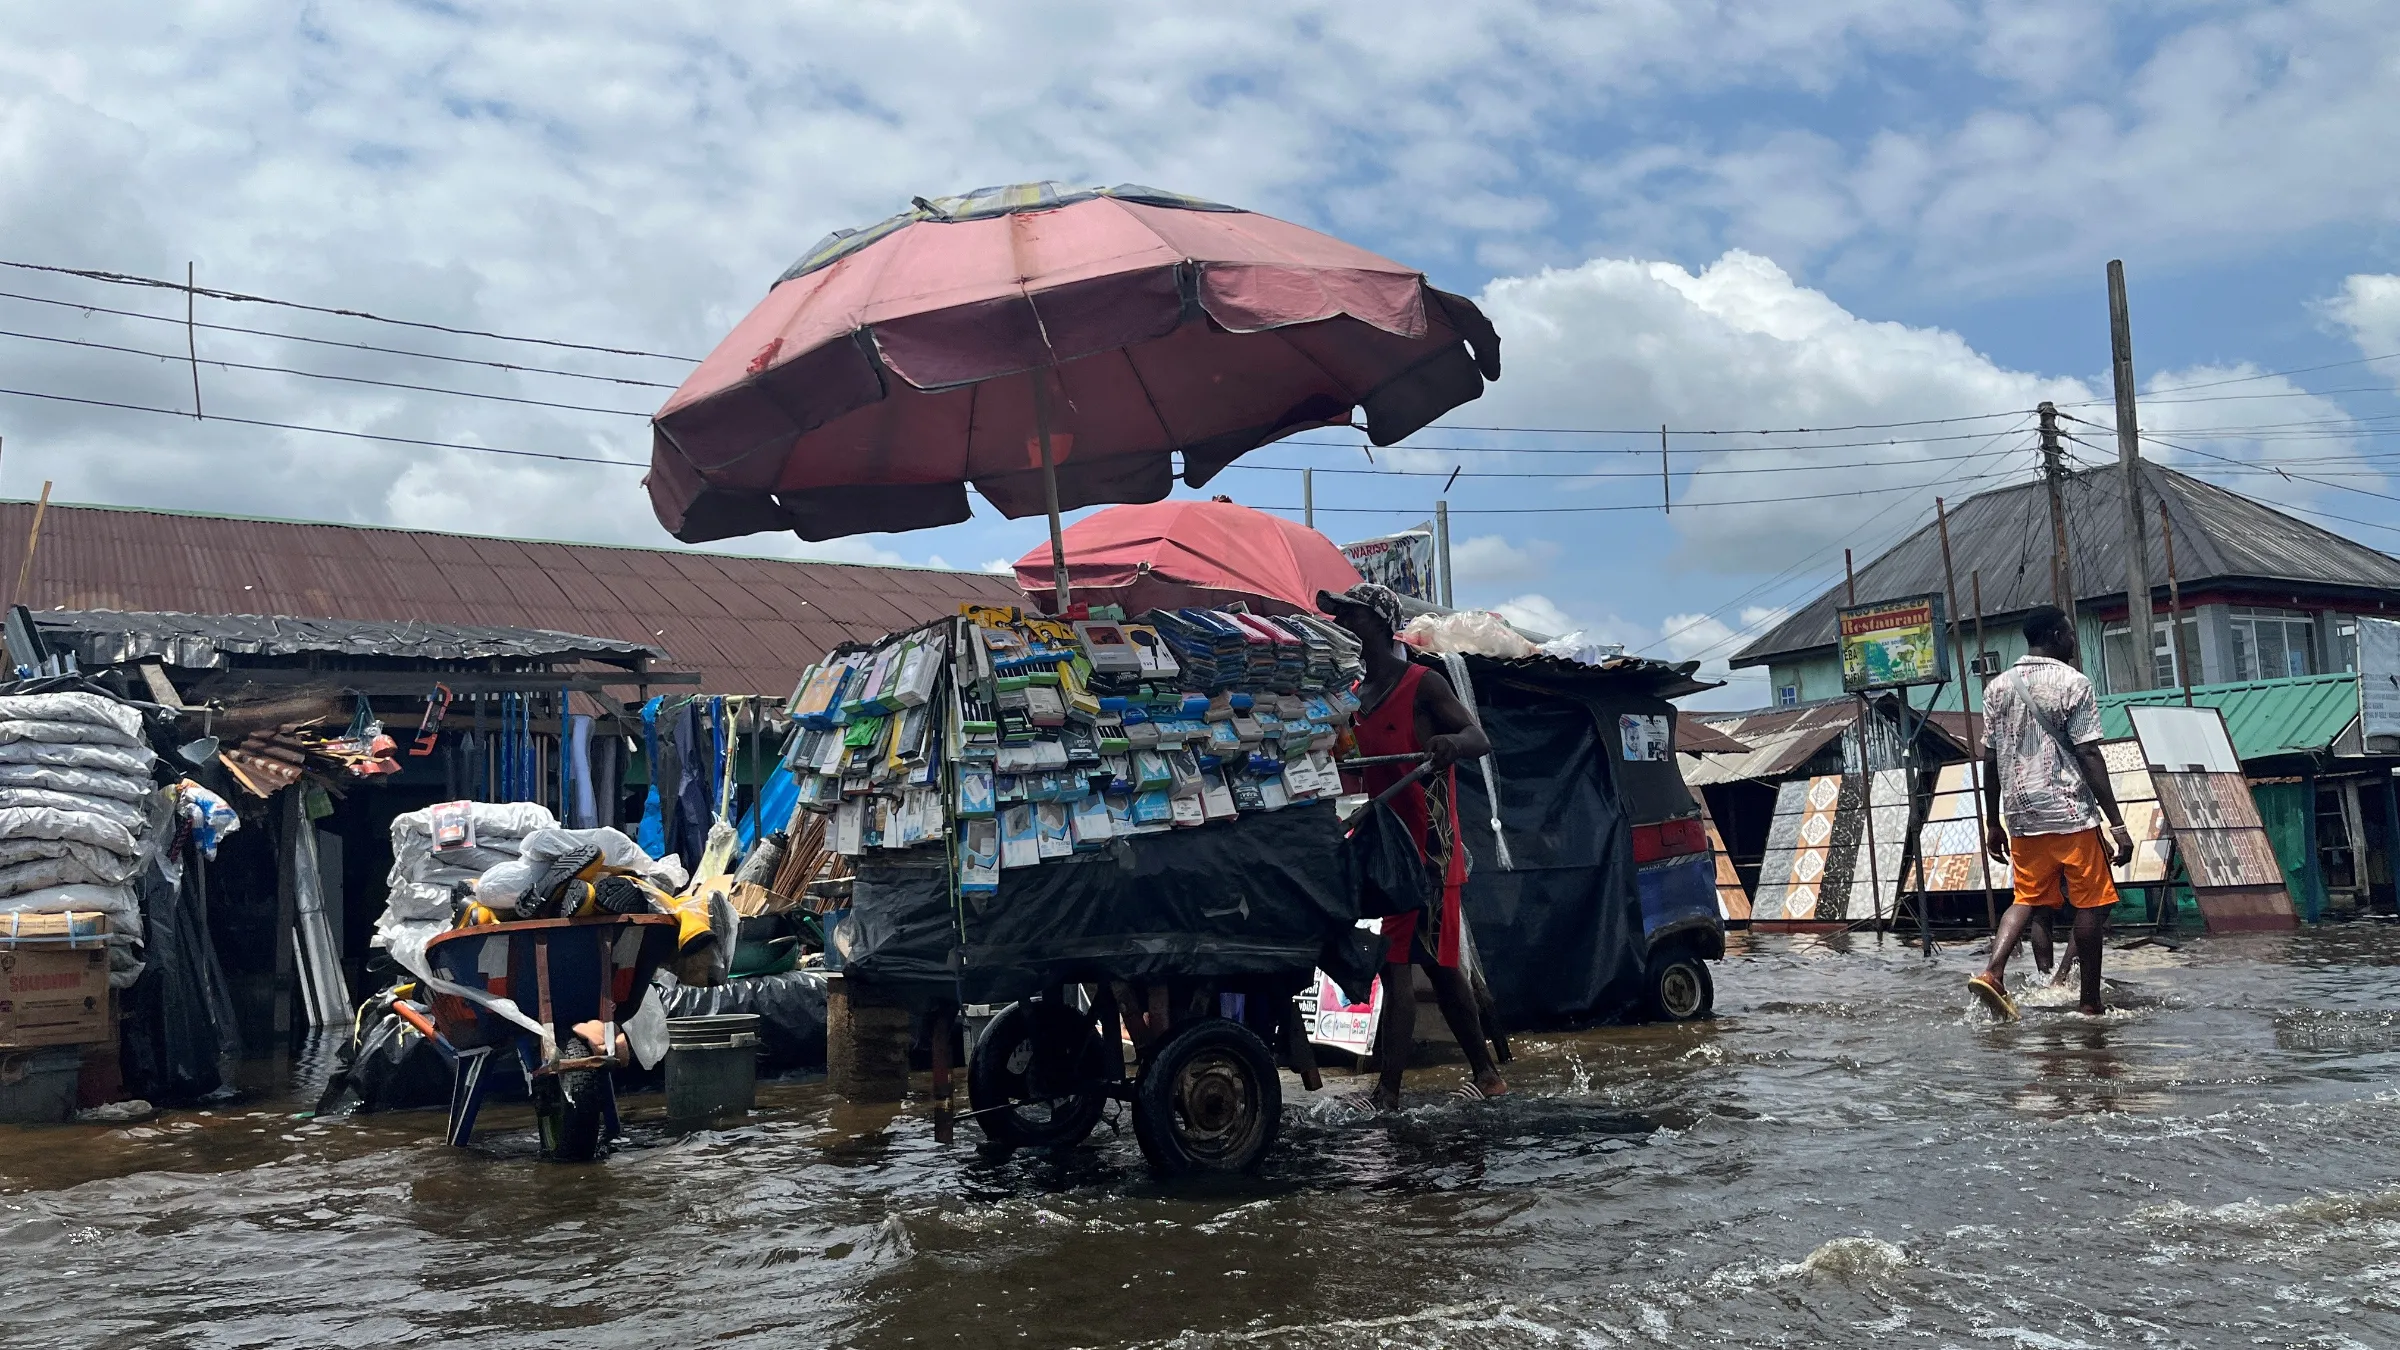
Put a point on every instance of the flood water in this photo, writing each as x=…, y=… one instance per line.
x=1845, y=1156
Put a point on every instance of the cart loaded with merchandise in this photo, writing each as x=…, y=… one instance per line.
x=1114, y=832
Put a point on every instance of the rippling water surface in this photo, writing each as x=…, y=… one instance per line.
x=1845, y=1156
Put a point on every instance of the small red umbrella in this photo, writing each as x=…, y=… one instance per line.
x=1055, y=348
x=1168, y=555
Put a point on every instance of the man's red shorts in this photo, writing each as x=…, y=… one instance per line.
x=2043, y=862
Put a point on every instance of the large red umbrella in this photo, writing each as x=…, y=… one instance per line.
x=1167, y=555
x=986, y=338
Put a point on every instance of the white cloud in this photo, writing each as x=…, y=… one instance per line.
x=1490, y=557
x=1739, y=343
x=2368, y=309
x=1000, y=565
x=1536, y=613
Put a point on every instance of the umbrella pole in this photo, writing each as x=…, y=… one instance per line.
x=1058, y=541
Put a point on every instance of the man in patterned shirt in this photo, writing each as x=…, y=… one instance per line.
x=2045, y=789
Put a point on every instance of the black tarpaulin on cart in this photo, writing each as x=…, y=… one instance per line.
x=1254, y=896
x=1561, y=936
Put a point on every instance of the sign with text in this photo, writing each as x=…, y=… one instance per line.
x=1894, y=643
x=1401, y=561
x=2378, y=678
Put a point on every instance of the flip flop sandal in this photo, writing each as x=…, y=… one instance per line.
x=1994, y=997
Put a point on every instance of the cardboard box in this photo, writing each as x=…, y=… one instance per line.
x=53, y=995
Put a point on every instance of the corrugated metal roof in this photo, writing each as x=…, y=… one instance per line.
x=746, y=625
x=1780, y=741
x=201, y=641
x=2264, y=717
x=2005, y=534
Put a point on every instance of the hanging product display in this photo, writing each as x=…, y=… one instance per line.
x=1040, y=738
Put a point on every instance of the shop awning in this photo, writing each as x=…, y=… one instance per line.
x=2266, y=718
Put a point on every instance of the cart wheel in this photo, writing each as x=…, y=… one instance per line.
x=1021, y=1103
x=567, y=1107
x=1209, y=1101
x=1680, y=987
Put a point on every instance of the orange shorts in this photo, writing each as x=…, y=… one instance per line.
x=2042, y=862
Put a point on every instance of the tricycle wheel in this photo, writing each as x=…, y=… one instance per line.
x=567, y=1107
x=1208, y=1101
x=1039, y=1076
x=1680, y=987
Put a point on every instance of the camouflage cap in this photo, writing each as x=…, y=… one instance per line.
x=1367, y=595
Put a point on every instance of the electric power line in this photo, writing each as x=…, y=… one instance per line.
x=129, y=279
x=330, y=342
x=321, y=375
x=332, y=431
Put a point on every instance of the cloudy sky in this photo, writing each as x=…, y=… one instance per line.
x=1720, y=217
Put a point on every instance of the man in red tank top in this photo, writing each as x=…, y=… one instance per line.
x=1406, y=709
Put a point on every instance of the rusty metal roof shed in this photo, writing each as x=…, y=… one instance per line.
x=747, y=625
x=107, y=637
x=2220, y=536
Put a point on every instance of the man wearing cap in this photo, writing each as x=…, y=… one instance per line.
x=1406, y=709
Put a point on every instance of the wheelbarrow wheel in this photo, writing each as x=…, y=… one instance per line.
x=1209, y=1101
x=567, y=1107
x=1039, y=1076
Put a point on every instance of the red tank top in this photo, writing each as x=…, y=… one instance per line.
x=1390, y=728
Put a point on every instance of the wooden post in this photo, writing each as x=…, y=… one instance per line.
x=1058, y=539
x=2054, y=472
x=1666, y=485
x=943, y=1025
x=33, y=537
x=191, y=342
x=1975, y=579
x=867, y=1036
x=1441, y=541
x=1849, y=578
x=2183, y=661
x=2139, y=624
x=1941, y=516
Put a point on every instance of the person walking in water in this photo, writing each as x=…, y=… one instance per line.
x=2045, y=790
x=1406, y=709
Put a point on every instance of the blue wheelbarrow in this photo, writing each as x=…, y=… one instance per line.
x=502, y=986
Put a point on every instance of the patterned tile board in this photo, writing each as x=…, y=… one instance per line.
x=1774, y=872
x=2225, y=858
x=2206, y=801
x=1783, y=833
x=1792, y=798
x=1890, y=788
x=1824, y=793
x=2122, y=756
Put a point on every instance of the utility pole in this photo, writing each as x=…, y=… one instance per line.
x=2129, y=455
x=1441, y=542
x=2054, y=473
x=1308, y=498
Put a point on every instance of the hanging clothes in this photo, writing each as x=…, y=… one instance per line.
x=695, y=780
x=658, y=808
x=608, y=779
x=583, y=809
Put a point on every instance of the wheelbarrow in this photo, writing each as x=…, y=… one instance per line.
x=522, y=987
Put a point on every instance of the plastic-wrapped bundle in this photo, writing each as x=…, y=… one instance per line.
x=423, y=884
x=500, y=886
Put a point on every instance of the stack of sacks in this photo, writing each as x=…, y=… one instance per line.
x=428, y=886
x=76, y=806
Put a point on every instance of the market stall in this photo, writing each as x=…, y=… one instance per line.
x=1129, y=825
